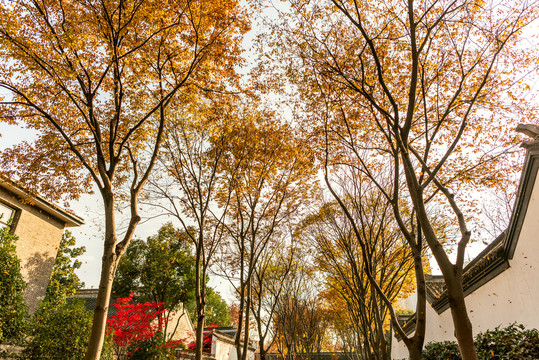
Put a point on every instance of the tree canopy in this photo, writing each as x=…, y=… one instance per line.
x=159, y=269
x=392, y=102
x=94, y=80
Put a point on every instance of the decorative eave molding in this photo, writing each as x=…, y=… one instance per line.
x=525, y=189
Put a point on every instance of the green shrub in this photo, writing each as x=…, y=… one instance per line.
x=447, y=350
x=512, y=342
x=154, y=349
x=61, y=331
x=13, y=311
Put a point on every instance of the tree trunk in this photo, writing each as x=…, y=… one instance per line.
x=414, y=352
x=200, y=298
x=462, y=323
x=199, y=333
x=261, y=336
x=452, y=275
x=383, y=344
x=421, y=306
x=99, y=323
x=237, y=340
x=457, y=304
x=247, y=310
x=108, y=268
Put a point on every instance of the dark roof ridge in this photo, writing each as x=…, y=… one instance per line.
x=499, y=239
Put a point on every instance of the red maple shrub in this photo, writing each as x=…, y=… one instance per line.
x=134, y=322
x=137, y=325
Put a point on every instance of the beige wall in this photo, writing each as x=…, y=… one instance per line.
x=510, y=297
x=179, y=326
x=39, y=238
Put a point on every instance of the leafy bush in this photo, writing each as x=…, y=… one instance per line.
x=512, y=342
x=61, y=331
x=137, y=332
x=134, y=324
x=13, y=311
x=154, y=349
x=447, y=350
x=64, y=282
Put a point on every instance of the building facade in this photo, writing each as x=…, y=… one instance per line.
x=39, y=225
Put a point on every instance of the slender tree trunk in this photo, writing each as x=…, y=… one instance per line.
x=459, y=313
x=261, y=336
x=452, y=275
x=200, y=331
x=247, y=310
x=461, y=321
x=99, y=324
x=237, y=340
x=383, y=344
x=108, y=268
x=200, y=298
x=415, y=353
x=416, y=345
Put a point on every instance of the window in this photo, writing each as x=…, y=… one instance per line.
x=6, y=214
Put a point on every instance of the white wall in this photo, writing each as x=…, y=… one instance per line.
x=510, y=297
x=223, y=348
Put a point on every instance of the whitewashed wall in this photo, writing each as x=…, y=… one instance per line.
x=223, y=348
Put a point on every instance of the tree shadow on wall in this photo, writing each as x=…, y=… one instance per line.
x=38, y=269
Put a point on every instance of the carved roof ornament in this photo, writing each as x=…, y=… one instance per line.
x=529, y=130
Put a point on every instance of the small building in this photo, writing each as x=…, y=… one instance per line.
x=39, y=224
x=223, y=344
x=500, y=284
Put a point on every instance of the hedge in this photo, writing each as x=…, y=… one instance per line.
x=511, y=342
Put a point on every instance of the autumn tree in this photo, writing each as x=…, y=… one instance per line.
x=189, y=184
x=341, y=261
x=300, y=322
x=270, y=169
x=378, y=234
x=213, y=160
x=406, y=89
x=268, y=286
x=94, y=80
